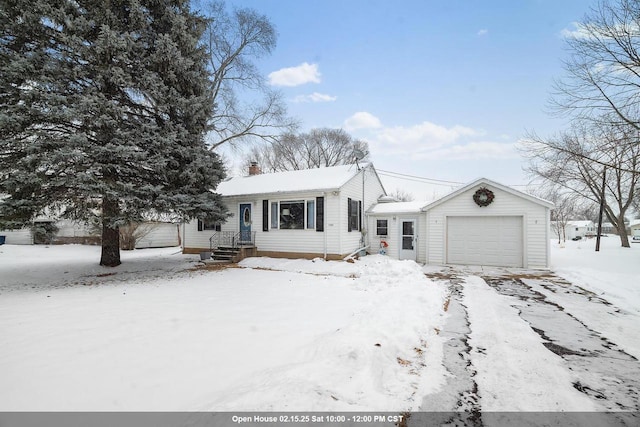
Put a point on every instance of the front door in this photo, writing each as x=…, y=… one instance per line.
x=408, y=239
x=245, y=223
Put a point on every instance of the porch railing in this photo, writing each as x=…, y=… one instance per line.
x=232, y=239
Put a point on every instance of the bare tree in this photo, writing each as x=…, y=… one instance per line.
x=132, y=233
x=402, y=195
x=314, y=149
x=563, y=210
x=603, y=70
x=574, y=160
x=234, y=40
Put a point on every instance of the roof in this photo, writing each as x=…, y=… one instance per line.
x=580, y=223
x=319, y=179
x=634, y=222
x=487, y=181
x=397, y=207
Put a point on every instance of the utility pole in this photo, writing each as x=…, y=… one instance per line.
x=604, y=177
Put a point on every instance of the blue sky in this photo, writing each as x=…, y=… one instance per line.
x=439, y=89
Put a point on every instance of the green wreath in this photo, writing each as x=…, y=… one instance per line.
x=483, y=197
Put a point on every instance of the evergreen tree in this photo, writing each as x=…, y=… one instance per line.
x=103, y=109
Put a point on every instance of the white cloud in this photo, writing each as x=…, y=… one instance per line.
x=483, y=32
x=362, y=120
x=425, y=135
x=315, y=97
x=576, y=32
x=295, y=76
x=474, y=150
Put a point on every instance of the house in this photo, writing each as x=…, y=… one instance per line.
x=481, y=223
x=302, y=214
x=634, y=227
x=157, y=235
x=575, y=229
x=322, y=213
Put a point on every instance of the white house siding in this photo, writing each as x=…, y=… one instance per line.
x=350, y=241
x=67, y=228
x=394, y=223
x=22, y=236
x=535, y=223
x=307, y=241
x=338, y=240
x=162, y=235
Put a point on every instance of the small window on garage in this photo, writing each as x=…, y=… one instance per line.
x=382, y=228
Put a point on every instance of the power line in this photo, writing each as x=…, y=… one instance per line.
x=417, y=178
x=434, y=181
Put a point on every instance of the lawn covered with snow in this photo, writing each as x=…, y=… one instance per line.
x=161, y=333
x=157, y=334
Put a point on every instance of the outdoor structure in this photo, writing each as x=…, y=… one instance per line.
x=634, y=227
x=332, y=212
x=481, y=223
x=160, y=234
x=575, y=229
x=301, y=214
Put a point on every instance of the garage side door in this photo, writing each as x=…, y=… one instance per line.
x=485, y=240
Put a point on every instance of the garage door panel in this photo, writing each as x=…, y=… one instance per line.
x=486, y=240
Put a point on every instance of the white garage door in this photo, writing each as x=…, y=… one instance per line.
x=485, y=240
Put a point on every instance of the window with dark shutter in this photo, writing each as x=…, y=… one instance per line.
x=200, y=228
x=265, y=215
x=319, y=213
x=353, y=214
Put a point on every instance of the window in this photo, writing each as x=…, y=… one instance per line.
x=382, y=227
x=353, y=213
x=209, y=225
x=274, y=215
x=311, y=213
x=292, y=215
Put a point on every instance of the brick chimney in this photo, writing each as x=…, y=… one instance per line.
x=254, y=169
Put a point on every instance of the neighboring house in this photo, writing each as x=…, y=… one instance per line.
x=161, y=234
x=317, y=213
x=634, y=227
x=481, y=223
x=575, y=229
x=302, y=214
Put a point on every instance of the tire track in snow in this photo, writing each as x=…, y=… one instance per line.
x=602, y=370
x=460, y=394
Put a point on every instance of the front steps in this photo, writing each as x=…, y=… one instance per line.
x=227, y=254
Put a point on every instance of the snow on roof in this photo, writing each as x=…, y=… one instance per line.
x=580, y=223
x=634, y=222
x=398, y=207
x=331, y=178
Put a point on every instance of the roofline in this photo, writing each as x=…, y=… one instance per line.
x=488, y=181
x=315, y=190
x=276, y=193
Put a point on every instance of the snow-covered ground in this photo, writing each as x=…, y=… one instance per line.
x=160, y=334
x=273, y=335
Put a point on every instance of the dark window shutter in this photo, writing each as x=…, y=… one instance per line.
x=319, y=213
x=360, y=215
x=349, y=213
x=265, y=215
x=200, y=225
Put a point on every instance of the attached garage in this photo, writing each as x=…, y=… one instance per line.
x=485, y=240
x=487, y=223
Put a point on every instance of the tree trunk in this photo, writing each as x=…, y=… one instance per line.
x=110, y=234
x=622, y=232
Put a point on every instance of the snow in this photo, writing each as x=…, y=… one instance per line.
x=156, y=335
x=330, y=178
x=398, y=207
x=515, y=371
x=161, y=333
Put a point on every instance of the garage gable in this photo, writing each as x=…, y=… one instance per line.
x=487, y=223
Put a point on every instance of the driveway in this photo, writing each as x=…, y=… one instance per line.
x=604, y=373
